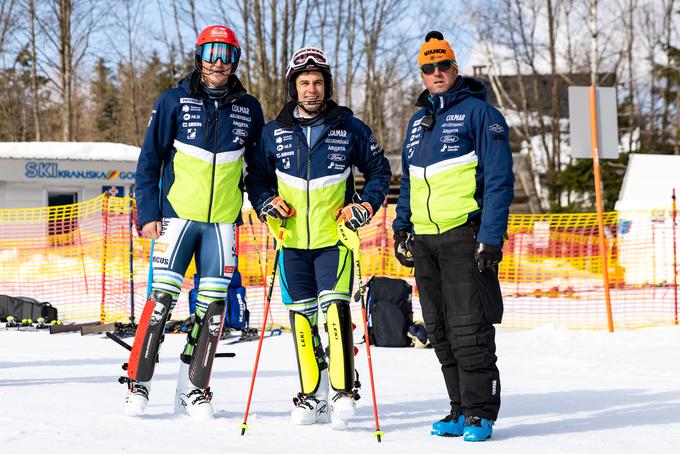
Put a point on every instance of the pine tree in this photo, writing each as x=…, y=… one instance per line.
x=105, y=96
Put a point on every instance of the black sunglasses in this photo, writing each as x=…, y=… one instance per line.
x=443, y=66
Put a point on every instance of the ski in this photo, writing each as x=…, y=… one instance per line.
x=128, y=347
x=95, y=329
x=251, y=335
x=12, y=324
x=69, y=328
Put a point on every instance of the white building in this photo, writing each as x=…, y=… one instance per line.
x=646, y=242
x=36, y=174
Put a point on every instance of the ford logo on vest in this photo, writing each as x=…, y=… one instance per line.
x=449, y=139
x=337, y=157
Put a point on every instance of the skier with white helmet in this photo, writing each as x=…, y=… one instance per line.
x=302, y=171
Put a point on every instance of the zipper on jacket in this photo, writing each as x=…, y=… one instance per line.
x=214, y=163
x=309, y=177
x=297, y=152
x=429, y=189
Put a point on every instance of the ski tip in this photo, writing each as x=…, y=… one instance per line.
x=244, y=427
x=378, y=434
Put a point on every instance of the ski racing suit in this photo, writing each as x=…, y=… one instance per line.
x=456, y=190
x=309, y=164
x=195, y=147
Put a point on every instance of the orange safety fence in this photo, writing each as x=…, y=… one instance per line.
x=88, y=260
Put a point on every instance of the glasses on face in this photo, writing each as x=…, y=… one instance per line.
x=444, y=65
x=211, y=52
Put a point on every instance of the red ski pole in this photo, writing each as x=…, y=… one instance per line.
x=350, y=239
x=268, y=299
x=263, y=271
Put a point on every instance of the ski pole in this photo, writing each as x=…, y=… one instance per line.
x=149, y=279
x=279, y=236
x=259, y=260
x=350, y=238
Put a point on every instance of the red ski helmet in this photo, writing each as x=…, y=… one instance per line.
x=217, y=42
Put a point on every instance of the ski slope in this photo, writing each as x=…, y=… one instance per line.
x=563, y=392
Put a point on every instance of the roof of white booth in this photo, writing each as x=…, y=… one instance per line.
x=649, y=182
x=92, y=151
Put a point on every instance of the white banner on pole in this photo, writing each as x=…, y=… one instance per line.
x=580, y=125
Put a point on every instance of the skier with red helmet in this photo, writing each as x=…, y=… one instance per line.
x=189, y=197
x=302, y=171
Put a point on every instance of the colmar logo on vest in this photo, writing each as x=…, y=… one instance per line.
x=455, y=117
x=240, y=109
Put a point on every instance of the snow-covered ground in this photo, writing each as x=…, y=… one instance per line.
x=563, y=392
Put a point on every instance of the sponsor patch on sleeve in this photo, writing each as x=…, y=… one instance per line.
x=497, y=132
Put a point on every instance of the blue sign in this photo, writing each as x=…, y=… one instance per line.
x=114, y=191
x=51, y=170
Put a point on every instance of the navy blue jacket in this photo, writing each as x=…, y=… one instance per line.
x=198, y=143
x=318, y=181
x=461, y=164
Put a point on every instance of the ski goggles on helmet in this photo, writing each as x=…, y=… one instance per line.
x=443, y=65
x=308, y=57
x=211, y=52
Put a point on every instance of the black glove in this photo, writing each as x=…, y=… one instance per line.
x=275, y=207
x=403, y=248
x=488, y=257
x=355, y=215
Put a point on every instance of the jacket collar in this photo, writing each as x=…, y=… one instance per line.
x=332, y=113
x=463, y=87
x=192, y=84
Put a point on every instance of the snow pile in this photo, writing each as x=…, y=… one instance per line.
x=563, y=392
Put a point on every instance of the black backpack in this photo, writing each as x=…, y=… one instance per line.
x=24, y=307
x=390, y=312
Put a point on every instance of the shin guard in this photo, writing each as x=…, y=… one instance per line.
x=309, y=352
x=340, y=346
x=204, y=350
x=149, y=336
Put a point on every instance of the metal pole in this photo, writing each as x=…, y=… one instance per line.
x=279, y=244
x=598, y=200
x=105, y=216
x=383, y=240
x=132, y=265
x=350, y=238
x=675, y=261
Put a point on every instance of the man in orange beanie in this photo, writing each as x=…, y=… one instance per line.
x=452, y=215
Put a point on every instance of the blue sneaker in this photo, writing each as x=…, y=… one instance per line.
x=477, y=429
x=450, y=426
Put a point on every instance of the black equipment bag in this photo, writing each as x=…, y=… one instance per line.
x=25, y=308
x=390, y=312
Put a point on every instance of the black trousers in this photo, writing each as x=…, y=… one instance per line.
x=463, y=340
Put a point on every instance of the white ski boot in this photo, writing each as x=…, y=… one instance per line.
x=137, y=397
x=312, y=408
x=342, y=409
x=190, y=400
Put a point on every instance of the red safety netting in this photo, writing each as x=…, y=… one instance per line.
x=88, y=260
